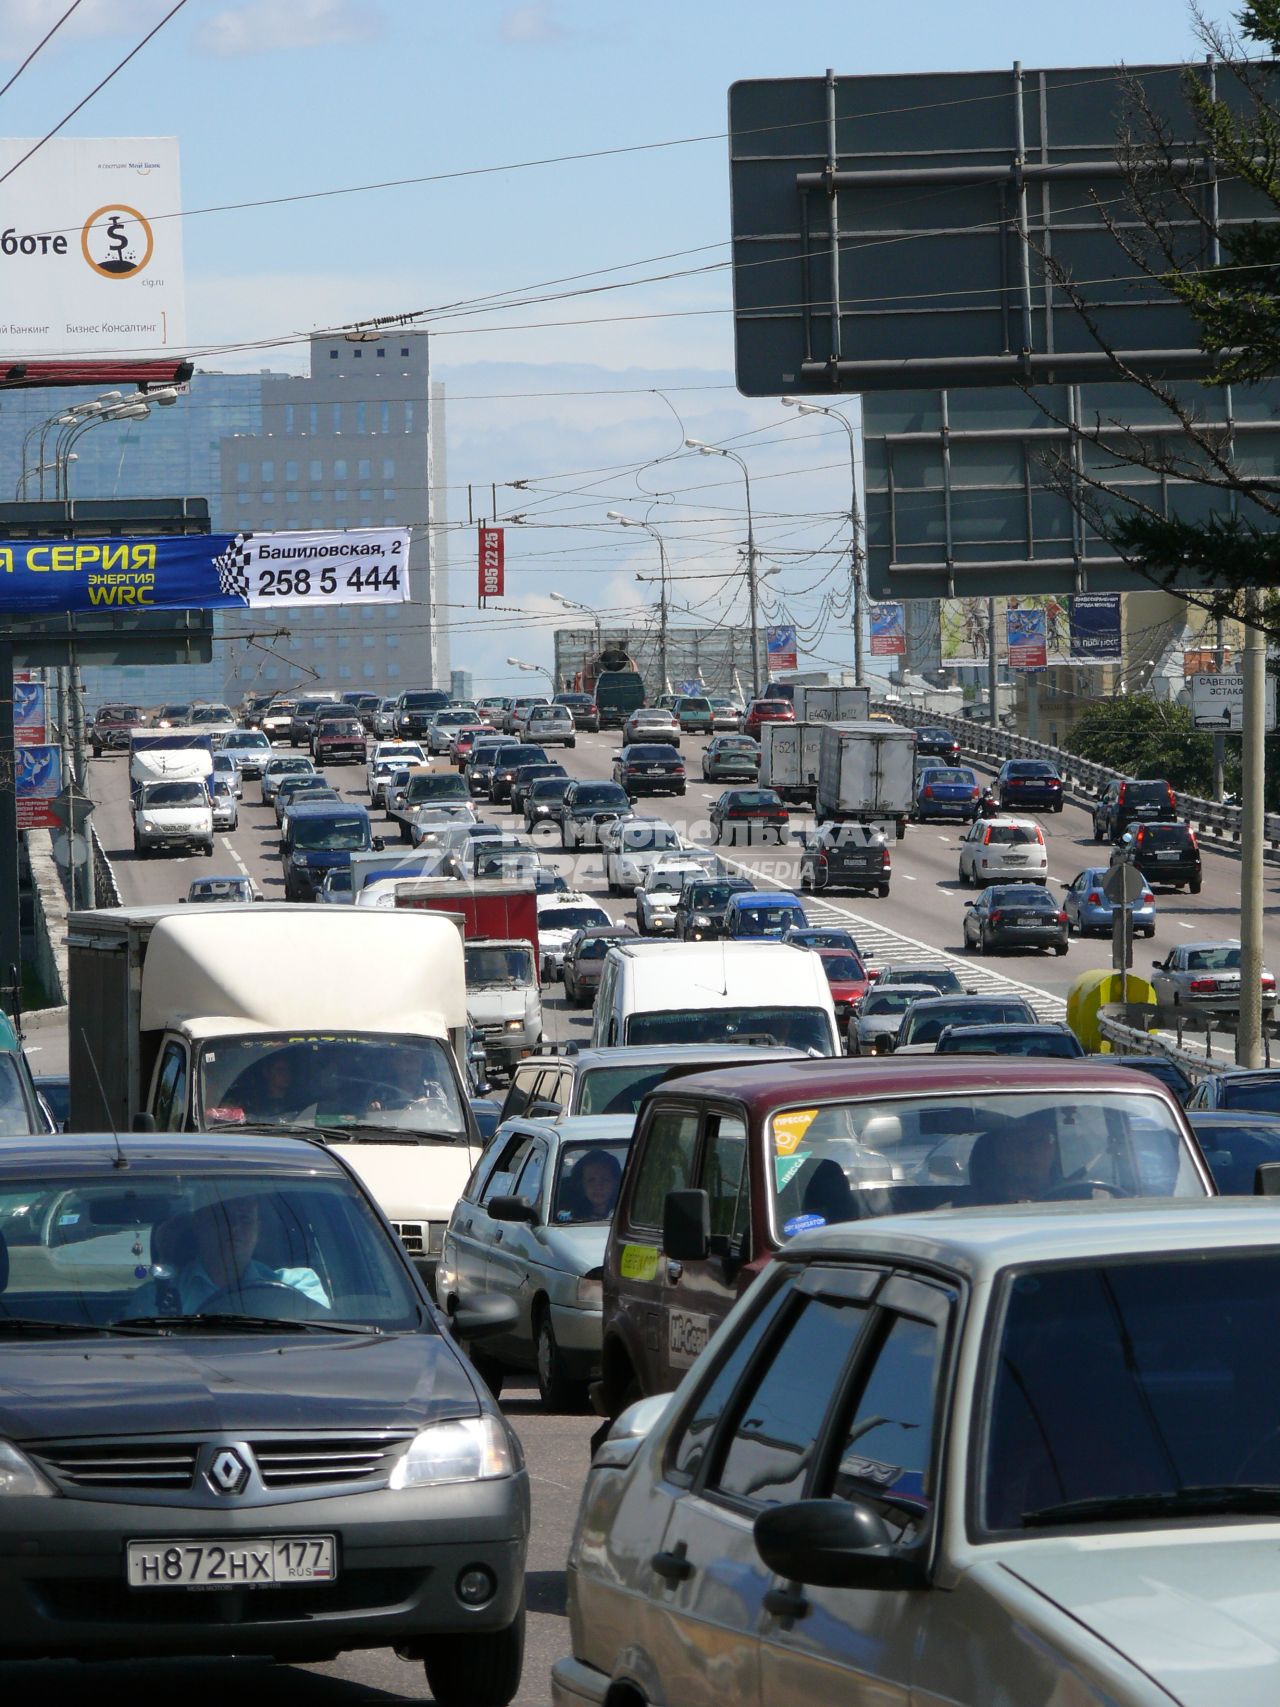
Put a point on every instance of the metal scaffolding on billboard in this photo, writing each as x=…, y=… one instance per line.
x=717, y=658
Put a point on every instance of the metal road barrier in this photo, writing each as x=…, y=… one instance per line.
x=105, y=890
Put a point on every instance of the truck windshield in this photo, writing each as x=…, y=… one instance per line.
x=331, y=835
x=491, y=968
x=175, y=794
x=799, y=1028
x=330, y=1080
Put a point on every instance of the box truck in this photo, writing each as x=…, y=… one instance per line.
x=832, y=704
x=789, y=756
x=866, y=774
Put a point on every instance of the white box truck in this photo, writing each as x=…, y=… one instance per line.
x=866, y=775
x=832, y=704
x=789, y=756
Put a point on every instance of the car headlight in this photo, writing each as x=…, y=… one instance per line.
x=700, y=921
x=150, y=824
x=18, y=1475
x=471, y=1449
x=515, y=1025
x=301, y=859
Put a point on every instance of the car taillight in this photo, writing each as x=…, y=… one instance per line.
x=974, y=793
x=873, y=972
x=1173, y=801
x=986, y=840
x=1202, y=985
x=822, y=859
x=1062, y=918
x=1191, y=838
x=1148, y=899
x=1268, y=982
x=885, y=861
x=996, y=916
x=1093, y=898
x=927, y=791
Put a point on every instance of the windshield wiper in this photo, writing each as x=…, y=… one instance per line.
x=218, y=1319
x=1228, y=1498
x=373, y=1132
x=37, y=1325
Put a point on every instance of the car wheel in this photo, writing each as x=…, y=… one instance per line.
x=882, y=890
x=97, y=752
x=208, y=850
x=480, y=1670
x=558, y=1391
x=1194, y=886
x=1060, y=948
x=1150, y=932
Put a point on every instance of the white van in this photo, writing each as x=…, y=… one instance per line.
x=715, y=992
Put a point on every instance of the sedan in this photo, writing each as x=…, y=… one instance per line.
x=731, y=757
x=584, y=960
x=824, y=936
x=1029, y=782
x=726, y=713
x=226, y=808
x=276, y=770
x=752, y=808
x=1256, y=1088
x=226, y=770
x=538, y=770
x=641, y=768
x=444, y=725
x=651, y=723
x=235, y=889
x=876, y=1021
x=293, y=788
x=946, y=792
x=1015, y=915
x=249, y=750
x=938, y=745
x=544, y=799
x=1057, y=1042
x=515, y=759
x=847, y=978
x=1234, y=1145
x=1204, y=977
x=1088, y=909
x=339, y=741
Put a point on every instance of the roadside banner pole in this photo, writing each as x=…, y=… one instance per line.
x=10, y=920
x=1249, y=1030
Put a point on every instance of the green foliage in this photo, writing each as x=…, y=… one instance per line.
x=1260, y=21
x=1144, y=737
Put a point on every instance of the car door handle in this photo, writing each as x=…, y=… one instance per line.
x=674, y=1271
x=673, y=1567
x=785, y=1603
x=497, y=1237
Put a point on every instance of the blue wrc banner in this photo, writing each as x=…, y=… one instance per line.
x=41, y=577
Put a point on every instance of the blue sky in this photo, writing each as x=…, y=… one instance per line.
x=284, y=97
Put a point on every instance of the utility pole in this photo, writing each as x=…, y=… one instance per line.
x=1219, y=741
x=991, y=660
x=1249, y=1026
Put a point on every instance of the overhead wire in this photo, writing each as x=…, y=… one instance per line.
x=43, y=42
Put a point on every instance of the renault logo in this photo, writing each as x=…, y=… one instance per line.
x=228, y=1472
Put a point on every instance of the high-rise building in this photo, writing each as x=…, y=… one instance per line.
x=461, y=684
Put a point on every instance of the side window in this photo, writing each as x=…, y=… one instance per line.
x=517, y=1097
x=666, y=1165
x=690, y=1444
x=770, y=1449
x=545, y=1090
x=528, y=1187
x=171, y=1089
x=887, y=1446
x=503, y=1177
x=724, y=1176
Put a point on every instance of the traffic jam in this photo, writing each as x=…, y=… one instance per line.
x=453, y=1065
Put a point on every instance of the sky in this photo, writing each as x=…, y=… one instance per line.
x=578, y=397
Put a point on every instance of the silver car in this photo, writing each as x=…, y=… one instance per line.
x=651, y=723
x=276, y=770
x=874, y=1024
x=226, y=808
x=1204, y=977
x=659, y=895
x=532, y=1224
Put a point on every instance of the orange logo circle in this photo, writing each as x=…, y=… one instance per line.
x=120, y=259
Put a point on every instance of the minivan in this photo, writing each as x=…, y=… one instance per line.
x=318, y=837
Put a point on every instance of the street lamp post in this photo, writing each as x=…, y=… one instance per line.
x=541, y=669
x=718, y=450
x=577, y=604
x=635, y=522
x=138, y=411
x=855, y=523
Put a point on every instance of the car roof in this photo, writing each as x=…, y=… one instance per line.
x=1233, y=1117
x=898, y=989
x=1238, y=1073
x=326, y=808
x=574, y=1127
x=763, y=898
x=1009, y=1028
x=1212, y=942
x=657, y=1054
x=158, y=1152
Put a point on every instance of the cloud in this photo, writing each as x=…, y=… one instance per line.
x=274, y=26
x=25, y=21
x=532, y=25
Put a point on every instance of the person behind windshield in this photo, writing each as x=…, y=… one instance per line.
x=403, y=1088
x=595, y=1186
x=1016, y=1164
x=271, y=1089
x=217, y=1263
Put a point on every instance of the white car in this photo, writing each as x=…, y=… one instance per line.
x=388, y=756
x=1004, y=850
x=657, y=899
x=384, y=718
x=443, y=726
x=428, y=827
x=226, y=808
x=277, y=719
x=226, y=770
x=549, y=726
x=631, y=847
x=248, y=748
x=559, y=916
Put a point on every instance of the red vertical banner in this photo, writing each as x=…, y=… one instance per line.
x=493, y=556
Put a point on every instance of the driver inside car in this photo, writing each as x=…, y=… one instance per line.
x=219, y=1264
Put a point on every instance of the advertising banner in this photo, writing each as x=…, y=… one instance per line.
x=493, y=561
x=1026, y=634
x=209, y=572
x=91, y=247
x=1095, y=626
x=38, y=779
x=888, y=631
x=30, y=727
x=780, y=648
x=1081, y=629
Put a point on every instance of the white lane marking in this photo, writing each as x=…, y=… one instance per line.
x=906, y=877
x=1183, y=925
x=243, y=868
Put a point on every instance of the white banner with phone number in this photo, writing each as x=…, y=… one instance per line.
x=357, y=566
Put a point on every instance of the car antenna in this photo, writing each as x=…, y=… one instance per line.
x=121, y=1161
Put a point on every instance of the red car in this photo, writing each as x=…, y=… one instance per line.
x=767, y=711
x=464, y=740
x=848, y=979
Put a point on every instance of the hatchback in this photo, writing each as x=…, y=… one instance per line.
x=1089, y=909
x=1164, y=853
x=695, y=716
x=550, y=725
x=1235, y=1144
x=762, y=711
x=1004, y=850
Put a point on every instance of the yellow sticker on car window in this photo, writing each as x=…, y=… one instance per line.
x=639, y=1262
x=790, y=1128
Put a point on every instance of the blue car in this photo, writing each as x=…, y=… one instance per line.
x=761, y=914
x=1088, y=909
x=946, y=791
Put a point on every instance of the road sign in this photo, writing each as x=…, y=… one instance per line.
x=1123, y=885
x=1217, y=701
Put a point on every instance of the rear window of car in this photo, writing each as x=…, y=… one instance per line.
x=965, y=778
x=1012, y=835
x=650, y=836
x=1165, y=836
x=651, y=755
x=1029, y=767
x=756, y=796
x=926, y=1026
x=1024, y=896
x=843, y=968
x=1145, y=793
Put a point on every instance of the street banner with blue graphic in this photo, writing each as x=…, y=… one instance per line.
x=780, y=648
x=1095, y=625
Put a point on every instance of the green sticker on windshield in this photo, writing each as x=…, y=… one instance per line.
x=787, y=1167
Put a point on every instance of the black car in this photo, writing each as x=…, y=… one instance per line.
x=302, y=723
x=586, y=806
x=699, y=913
x=1234, y=1145
x=1029, y=782
x=1126, y=801
x=1054, y=1041
x=251, y=1429
x=479, y=767
x=1255, y=1088
x=507, y=762
x=649, y=769
x=536, y=770
x=544, y=800
x=415, y=709
x=751, y=809
x=1015, y=915
x=582, y=708
x=1161, y=1067
x=1163, y=853
x=935, y=743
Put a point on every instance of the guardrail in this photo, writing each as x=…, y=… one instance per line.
x=105, y=891
x=1207, y=816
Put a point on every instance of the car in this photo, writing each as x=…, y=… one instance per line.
x=586, y=807
x=550, y=725
x=1029, y=782
x=749, y=809
x=486, y=752
x=582, y=708
x=651, y=724
x=276, y=770
x=444, y=725
x=699, y=912
x=745, y=1151
x=1162, y=1067
x=846, y=856
x=302, y=723
x=173, y=716
x=924, y=1021
x=338, y=887
x=291, y=788
x=219, y=889
x=584, y=958
x=248, y=748
x=1015, y=915
x=531, y=1227
x=617, y=1079
x=846, y=975
x=384, y=718
x=537, y=770
x=338, y=741
x=415, y=709
x=442, y=791
x=823, y=936
x=943, y=980
x=877, y=1019
x=762, y=914
x=431, y=825
x=1235, y=1145
x=1003, y=850
x=212, y=717
x=631, y=846
x=276, y=721
x=945, y=792
x=317, y=835
x=543, y=800
x=659, y=895
x=111, y=726
x=515, y=757
x=1164, y=853
x=463, y=740
x=1088, y=908
x=881, y=1482
x=386, y=758
x=1124, y=801
x=1056, y=1041
x=726, y=712
x=729, y=757
x=226, y=811
x=1204, y=977
x=937, y=744
x=128, y=1258
x=694, y=715
x=559, y=918
x=1254, y=1088
x=53, y=1090
x=226, y=770
x=649, y=768
x=761, y=711
x=518, y=710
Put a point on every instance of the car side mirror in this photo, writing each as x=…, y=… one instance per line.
x=512, y=1209
x=686, y=1226
x=542, y=1108
x=1159, y=965
x=1266, y=1180
x=488, y=1314
x=378, y=844
x=838, y=1543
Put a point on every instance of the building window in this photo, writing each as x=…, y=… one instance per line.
x=316, y=469
x=404, y=349
x=392, y=640
x=364, y=469
x=344, y=641
x=391, y=521
x=340, y=496
x=366, y=521
x=369, y=671
x=340, y=470
x=242, y=498
x=366, y=613
x=315, y=496
x=369, y=641
x=317, y=521
x=242, y=473
x=319, y=642
x=340, y=522
x=357, y=352
x=388, y=468
x=365, y=494
x=380, y=352
x=293, y=524
x=288, y=417
x=314, y=417
x=268, y=497
x=291, y=471
x=344, y=672
x=362, y=418
x=268, y=473
x=271, y=673
x=335, y=417
x=384, y=418
x=408, y=417
x=333, y=355
x=392, y=671
x=291, y=497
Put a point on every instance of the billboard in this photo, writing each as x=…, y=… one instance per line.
x=1217, y=701
x=780, y=648
x=1083, y=628
x=91, y=247
x=888, y=631
x=492, y=561
x=38, y=779
x=1095, y=626
x=30, y=728
x=1025, y=626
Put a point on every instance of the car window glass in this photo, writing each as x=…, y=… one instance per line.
x=172, y=1075
x=690, y=1445
x=665, y=1165
x=725, y=1176
x=517, y=1098
x=888, y=1443
x=778, y=1419
x=503, y=1177
x=528, y=1188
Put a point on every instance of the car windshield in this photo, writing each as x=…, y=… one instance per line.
x=587, y=1180
x=1225, y=958
x=942, y=978
x=175, y=794
x=571, y=918
x=843, y=968
x=883, y=1157
x=1233, y=1152
x=1167, y=1351
x=330, y=1080
x=888, y=1000
x=649, y=836
x=600, y=794
x=703, y=897
x=492, y=968
x=330, y=833
x=762, y=921
x=112, y=1248
x=246, y=738
x=211, y=714
x=549, y=788
x=926, y=1024
x=436, y=786
x=1011, y=835
x=798, y=1028
x=1260, y=1094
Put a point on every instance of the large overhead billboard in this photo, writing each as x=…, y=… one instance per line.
x=91, y=248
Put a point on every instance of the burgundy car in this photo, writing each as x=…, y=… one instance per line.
x=767, y=711
x=755, y=808
x=339, y=741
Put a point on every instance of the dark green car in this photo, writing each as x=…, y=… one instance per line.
x=731, y=758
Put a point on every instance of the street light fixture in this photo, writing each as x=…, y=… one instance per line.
x=520, y=664
x=855, y=522
x=130, y=410
x=577, y=604
x=636, y=522
x=732, y=455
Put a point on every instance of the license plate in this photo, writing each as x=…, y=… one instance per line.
x=1166, y=853
x=687, y=1335
x=245, y=1564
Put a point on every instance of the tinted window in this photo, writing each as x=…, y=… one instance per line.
x=1029, y=767
x=666, y=1164
x=1146, y=793
x=691, y=1444
x=600, y=794
x=798, y=1028
x=1234, y=1152
x=843, y=968
x=1261, y=1094
x=889, y=1441
x=1010, y=835
x=925, y=1024
x=1165, y=836
x=965, y=779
